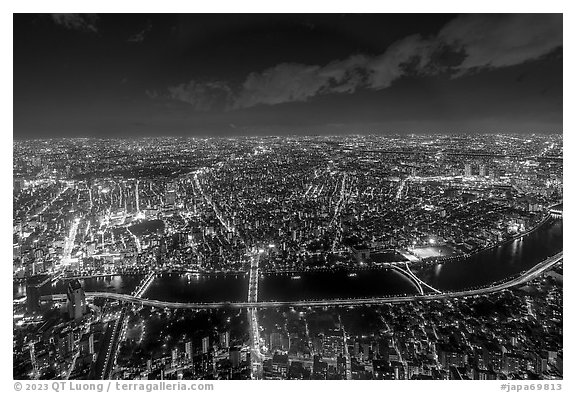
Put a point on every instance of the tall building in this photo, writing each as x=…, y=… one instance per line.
x=188, y=348
x=39, y=356
x=205, y=345
x=65, y=343
x=91, y=344
x=84, y=344
x=90, y=249
x=482, y=170
x=174, y=356
x=225, y=339
x=76, y=300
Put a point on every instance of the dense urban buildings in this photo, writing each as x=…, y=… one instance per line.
x=287, y=197
x=294, y=257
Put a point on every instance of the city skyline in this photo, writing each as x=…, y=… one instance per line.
x=160, y=75
x=317, y=257
x=202, y=197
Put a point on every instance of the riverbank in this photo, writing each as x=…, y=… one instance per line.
x=460, y=257
x=496, y=263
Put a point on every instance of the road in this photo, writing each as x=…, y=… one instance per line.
x=525, y=277
x=346, y=353
x=51, y=202
x=136, y=241
x=69, y=242
x=104, y=352
x=418, y=280
x=117, y=332
x=113, y=346
x=255, y=354
x=224, y=223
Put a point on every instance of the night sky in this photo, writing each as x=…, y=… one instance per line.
x=78, y=75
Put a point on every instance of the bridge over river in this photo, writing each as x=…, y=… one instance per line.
x=434, y=295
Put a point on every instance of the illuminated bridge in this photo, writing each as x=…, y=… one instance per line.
x=48, y=279
x=524, y=277
x=256, y=356
x=406, y=272
x=556, y=211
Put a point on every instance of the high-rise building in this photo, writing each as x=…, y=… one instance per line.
x=188, y=349
x=174, y=356
x=65, y=343
x=365, y=351
x=90, y=249
x=482, y=170
x=333, y=343
x=40, y=356
x=84, y=344
x=225, y=339
x=205, y=345
x=91, y=344
x=76, y=300
x=541, y=364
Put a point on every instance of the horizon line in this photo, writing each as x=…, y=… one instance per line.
x=288, y=135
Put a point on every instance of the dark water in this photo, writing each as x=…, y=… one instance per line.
x=179, y=287
x=118, y=284
x=330, y=285
x=499, y=263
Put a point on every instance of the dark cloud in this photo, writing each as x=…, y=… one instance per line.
x=81, y=22
x=492, y=41
x=468, y=43
x=141, y=35
x=203, y=96
x=297, y=82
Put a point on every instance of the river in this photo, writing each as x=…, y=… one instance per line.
x=498, y=263
x=478, y=270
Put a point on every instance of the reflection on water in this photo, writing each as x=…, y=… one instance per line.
x=499, y=263
x=332, y=285
x=177, y=287
x=438, y=269
x=118, y=284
